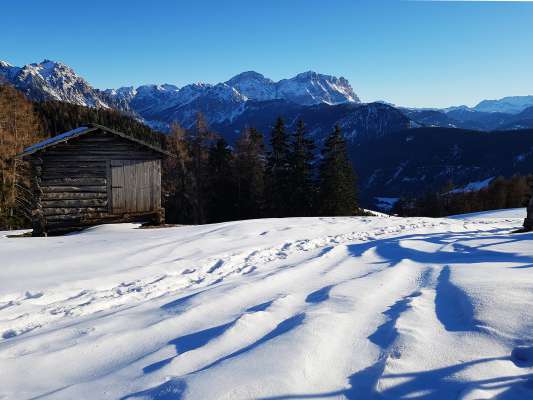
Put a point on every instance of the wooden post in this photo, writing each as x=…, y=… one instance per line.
x=528, y=222
x=37, y=215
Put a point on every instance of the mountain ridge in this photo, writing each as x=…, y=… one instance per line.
x=165, y=103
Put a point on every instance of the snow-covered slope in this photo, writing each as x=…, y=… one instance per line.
x=355, y=308
x=509, y=213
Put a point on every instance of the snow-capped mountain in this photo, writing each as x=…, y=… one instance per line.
x=510, y=105
x=311, y=88
x=225, y=101
x=163, y=104
x=254, y=86
x=307, y=88
x=49, y=80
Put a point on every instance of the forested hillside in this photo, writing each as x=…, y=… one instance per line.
x=208, y=181
x=416, y=161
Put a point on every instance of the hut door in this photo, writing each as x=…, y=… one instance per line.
x=135, y=185
x=118, y=195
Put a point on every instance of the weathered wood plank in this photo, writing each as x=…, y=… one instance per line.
x=81, y=189
x=54, y=223
x=101, y=175
x=156, y=193
x=77, y=181
x=117, y=186
x=73, y=195
x=79, y=203
x=73, y=212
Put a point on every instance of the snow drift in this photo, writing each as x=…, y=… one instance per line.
x=357, y=308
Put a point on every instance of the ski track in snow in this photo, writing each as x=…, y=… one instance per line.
x=387, y=308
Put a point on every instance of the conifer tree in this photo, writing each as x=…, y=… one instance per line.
x=337, y=179
x=303, y=189
x=249, y=166
x=278, y=171
x=221, y=193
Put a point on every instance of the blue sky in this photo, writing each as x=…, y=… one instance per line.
x=413, y=53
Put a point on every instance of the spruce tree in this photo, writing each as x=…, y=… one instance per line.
x=338, y=194
x=249, y=171
x=278, y=171
x=303, y=189
x=221, y=195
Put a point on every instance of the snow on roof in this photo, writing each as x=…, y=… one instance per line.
x=81, y=131
x=52, y=140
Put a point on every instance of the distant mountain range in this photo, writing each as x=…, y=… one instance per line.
x=470, y=118
x=396, y=150
x=249, y=96
x=163, y=104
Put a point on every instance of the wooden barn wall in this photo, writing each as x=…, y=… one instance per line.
x=75, y=178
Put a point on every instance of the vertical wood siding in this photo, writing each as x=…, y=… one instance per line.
x=135, y=185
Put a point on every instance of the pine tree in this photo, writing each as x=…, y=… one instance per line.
x=221, y=193
x=337, y=179
x=303, y=189
x=278, y=171
x=249, y=171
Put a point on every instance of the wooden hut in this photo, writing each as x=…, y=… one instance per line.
x=93, y=175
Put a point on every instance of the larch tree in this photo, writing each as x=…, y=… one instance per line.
x=177, y=178
x=19, y=125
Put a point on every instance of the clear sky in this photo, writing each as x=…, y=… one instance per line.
x=412, y=53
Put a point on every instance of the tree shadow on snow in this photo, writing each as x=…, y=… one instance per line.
x=393, y=252
x=175, y=388
x=195, y=340
x=453, y=306
x=437, y=384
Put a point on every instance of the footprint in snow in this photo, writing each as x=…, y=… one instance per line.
x=215, y=266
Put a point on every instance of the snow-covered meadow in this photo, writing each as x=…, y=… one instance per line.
x=357, y=308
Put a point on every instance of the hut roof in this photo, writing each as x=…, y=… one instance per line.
x=83, y=130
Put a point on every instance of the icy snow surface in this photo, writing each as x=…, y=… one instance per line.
x=357, y=308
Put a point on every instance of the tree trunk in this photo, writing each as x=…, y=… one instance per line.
x=528, y=222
